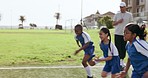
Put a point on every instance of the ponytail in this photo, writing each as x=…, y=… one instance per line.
x=142, y=32
x=139, y=31
x=109, y=40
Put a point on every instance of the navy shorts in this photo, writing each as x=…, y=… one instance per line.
x=90, y=51
x=136, y=74
x=112, y=66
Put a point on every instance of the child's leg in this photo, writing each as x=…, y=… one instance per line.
x=104, y=74
x=91, y=61
x=91, y=54
x=106, y=70
x=113, y=76
x=145, y=75
x=84, y=63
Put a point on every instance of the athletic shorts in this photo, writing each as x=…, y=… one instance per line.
x=90, y=51
x=136, y=74
x=112, y=66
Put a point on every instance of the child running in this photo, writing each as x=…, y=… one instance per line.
x=87, y=46
x=110, y=54
x=137, y=49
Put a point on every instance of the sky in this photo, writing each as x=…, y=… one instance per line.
x=41, y=12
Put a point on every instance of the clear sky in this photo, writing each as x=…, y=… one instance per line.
x=41, y=12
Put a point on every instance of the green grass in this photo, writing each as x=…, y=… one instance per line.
x=41, y=47
x=48, y=73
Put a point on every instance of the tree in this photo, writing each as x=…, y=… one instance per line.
x=57, y=16
x=22, y=19
x=107, y=21
x=32, y=25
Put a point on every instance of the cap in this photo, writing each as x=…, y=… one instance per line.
x=122, y=4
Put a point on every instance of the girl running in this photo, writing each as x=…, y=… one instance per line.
x=110, y=52
x=137, y=49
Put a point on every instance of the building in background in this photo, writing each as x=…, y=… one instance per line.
x=139, y=9
x=91, y=20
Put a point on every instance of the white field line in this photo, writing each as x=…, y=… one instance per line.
x=43, y=67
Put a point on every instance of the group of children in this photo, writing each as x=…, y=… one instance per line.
x=137, y=49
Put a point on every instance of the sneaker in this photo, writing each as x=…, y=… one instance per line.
x=89, y=77
x=122, y=68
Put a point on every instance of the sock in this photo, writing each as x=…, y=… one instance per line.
x=122, y=62
x=88, y=70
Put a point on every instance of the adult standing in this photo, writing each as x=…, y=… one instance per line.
x=120, y=20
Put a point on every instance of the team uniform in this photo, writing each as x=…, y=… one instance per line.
x=112, y=65
x=138, y=55
x=83, y=39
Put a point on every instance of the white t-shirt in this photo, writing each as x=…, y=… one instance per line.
x=127, y=18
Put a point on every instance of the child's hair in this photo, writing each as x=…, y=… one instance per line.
x=106, y=31
x=139, y=31
x=79, y=26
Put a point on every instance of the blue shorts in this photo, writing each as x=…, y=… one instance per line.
x=136, y=74
x=113, y=65
x=90, y=51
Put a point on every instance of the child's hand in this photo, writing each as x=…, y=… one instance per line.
x=99, y=59
x=122, y=74
x=76, y=52
x=96, y=58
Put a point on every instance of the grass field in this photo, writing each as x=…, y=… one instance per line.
x=43, y=48
x=49, y=73
x=40, y=47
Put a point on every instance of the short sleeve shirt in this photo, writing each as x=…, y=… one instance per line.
x=127, y=18
x=83, y=38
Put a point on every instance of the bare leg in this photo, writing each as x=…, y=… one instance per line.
x=104, y=74
x=85, y=59
x=145, y=75
x=91, y=63
x=113, y=76
x=87, y=68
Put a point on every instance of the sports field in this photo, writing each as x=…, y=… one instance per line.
x=43, y=49
x=48, y=72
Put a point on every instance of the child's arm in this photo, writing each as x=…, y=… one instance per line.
x=82, y=48
x=104, y=59
x=78, y=43
x=127, y=65
x=125, y=71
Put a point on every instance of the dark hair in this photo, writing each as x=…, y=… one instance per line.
x=139, y=31
x=79, y=26
x=106, y=31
